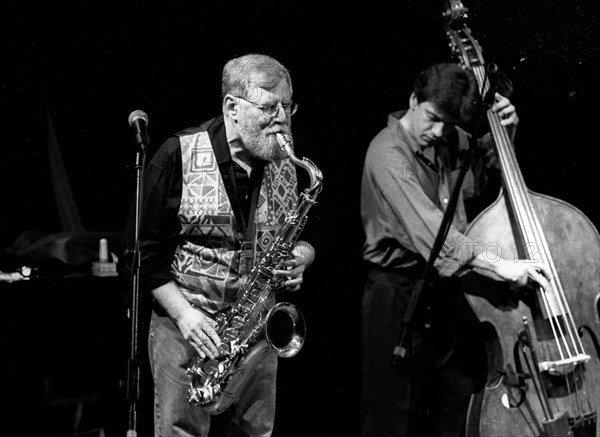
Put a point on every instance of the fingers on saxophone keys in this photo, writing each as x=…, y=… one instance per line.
x=294, y=284
x=288, y=272
x=201, y=353
x=207, y=352
x=212, y=337
x=204, y=351
x=197, y=347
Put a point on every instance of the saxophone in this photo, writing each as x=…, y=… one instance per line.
x=248, y=329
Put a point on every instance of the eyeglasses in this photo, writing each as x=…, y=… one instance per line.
x=271, y=110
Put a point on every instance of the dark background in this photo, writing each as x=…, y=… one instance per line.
x=92, y=64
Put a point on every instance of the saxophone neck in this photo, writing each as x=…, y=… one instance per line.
x=316, y=176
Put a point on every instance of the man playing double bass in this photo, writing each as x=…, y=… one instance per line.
x=410, y=170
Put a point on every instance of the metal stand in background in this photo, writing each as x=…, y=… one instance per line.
x=138, y=120
x=498, y=83
x=416, y=299
x=419, y=306
x=417, y=302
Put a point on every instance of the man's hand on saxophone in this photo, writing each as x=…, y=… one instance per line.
x=199, y=330
x=196, y=327
x=303, y=254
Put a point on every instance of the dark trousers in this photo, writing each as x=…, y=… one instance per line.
x=428, y=393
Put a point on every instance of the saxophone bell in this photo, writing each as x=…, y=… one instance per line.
x=285, y=329
x=215, y=386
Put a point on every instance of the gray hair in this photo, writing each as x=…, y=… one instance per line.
x=257, y=70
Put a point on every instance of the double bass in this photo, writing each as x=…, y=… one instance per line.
x=543, y=368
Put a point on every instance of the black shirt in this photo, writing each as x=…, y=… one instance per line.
x=160, y=227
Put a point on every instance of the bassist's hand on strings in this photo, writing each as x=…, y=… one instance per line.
x=524, y=273
x=517, y=273
x=507, y=113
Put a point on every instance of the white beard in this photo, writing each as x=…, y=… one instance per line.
x=259, y=144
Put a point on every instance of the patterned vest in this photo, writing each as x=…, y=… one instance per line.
x=209, y=263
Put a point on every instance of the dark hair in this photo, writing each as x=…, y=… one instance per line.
x=253, y=69
x=452, y=89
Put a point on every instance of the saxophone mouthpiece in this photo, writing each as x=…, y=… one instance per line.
x=285, y=142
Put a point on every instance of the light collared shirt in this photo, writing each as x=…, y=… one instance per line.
x=404, y=195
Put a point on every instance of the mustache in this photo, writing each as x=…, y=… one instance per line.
x=279, y=128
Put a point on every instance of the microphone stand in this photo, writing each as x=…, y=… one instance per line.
x=400, y=351
x=133, y=364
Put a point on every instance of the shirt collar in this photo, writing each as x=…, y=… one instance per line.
x=218, y=139
x=394, y=123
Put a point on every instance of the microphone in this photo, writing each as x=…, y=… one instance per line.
x=138, y=120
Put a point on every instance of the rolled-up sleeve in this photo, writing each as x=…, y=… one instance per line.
x=160, y=197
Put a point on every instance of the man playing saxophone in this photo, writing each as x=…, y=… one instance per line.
x=213, y=198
